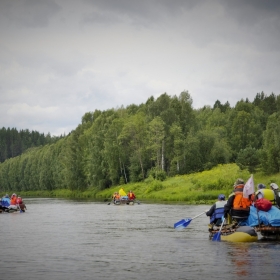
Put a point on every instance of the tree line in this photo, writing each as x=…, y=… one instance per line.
x=162, y=137
x=13, y=142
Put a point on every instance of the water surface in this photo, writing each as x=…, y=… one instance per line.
x=59, y=240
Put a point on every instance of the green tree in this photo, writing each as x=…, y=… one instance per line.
x=156, y=136
x=134, y=135
x=248, y=158
x=271, y=148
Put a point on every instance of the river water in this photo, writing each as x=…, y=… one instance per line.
x=60, y=239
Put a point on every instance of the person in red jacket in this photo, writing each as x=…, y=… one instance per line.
x=21, y=204
x=131, y=195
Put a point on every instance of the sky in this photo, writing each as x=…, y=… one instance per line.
x=60, y=59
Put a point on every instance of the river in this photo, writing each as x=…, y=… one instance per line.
x=61, y=239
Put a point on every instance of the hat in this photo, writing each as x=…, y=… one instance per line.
x=261, y=186
x=274, y=186
x=221, y=197
x=239, y=181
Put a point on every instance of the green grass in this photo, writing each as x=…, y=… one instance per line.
x=196, y=188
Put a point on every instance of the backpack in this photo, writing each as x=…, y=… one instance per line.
x=263, y=204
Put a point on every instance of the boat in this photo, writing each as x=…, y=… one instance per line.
x=124, y=202
x=234, y=233
x=6, y=208
x=264, y=223
x=12, y=210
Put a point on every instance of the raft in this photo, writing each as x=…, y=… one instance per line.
x=239, y=234
x=123, y=202
x=11, y=211
x=268, y=232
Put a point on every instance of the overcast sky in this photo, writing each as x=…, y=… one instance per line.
x=62, y=58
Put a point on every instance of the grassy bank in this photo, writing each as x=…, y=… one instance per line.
x=196, y=188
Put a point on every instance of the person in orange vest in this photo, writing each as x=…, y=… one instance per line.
x=131, y=195
x=237, y=206
x=13, y=202
x=117, y=196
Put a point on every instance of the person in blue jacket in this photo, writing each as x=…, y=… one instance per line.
x=216, y=212
x=5, y=202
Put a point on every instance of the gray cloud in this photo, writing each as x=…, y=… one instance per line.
x=60, y=59
x=28, y=13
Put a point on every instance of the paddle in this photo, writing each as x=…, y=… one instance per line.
x=185, y=222
x=217, y=235
x=110, y=202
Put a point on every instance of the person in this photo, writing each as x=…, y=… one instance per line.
x=123, y=194
x=274, y=187
x=131, y=195
x=21, y=204
x=117, y=196
x=216, y=212
x=262, y=192
x=237, y=206
x=13, y=202
x=5, y=202
x=114, y=196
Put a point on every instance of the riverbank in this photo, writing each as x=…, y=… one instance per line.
x=196, y=188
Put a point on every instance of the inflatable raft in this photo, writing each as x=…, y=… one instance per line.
x=123, y=202
x=266, y=223
x=239, y=234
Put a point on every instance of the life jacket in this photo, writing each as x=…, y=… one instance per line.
x=219, y=211
x=117, y=197
x=131, y=195
x=19, y=200
x=267, y=194
x=241, y=205
x=13, y=200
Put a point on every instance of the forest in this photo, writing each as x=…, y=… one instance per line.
x=13, y=143
x=161, y=138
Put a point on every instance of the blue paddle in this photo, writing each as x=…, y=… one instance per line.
x=185, y=222
x=217, y=235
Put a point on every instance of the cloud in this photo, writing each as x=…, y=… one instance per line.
x=60, y=59
x=28, y=13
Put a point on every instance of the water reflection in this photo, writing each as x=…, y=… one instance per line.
x=240, y=257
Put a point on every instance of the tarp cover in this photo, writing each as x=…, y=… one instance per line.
x=271, y=217
x=122, y=192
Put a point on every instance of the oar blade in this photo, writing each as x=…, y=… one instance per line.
x=182, y=223
x=217, y=236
